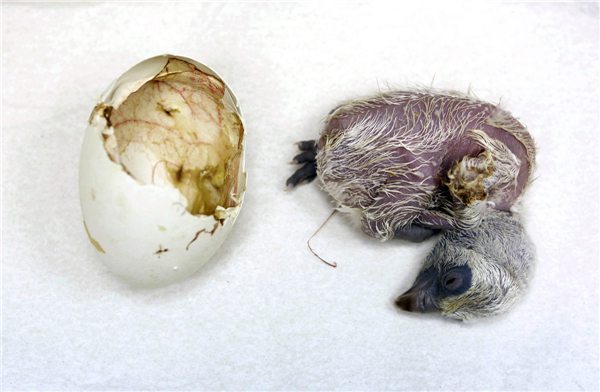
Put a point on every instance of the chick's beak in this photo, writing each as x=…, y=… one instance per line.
x=419, y=298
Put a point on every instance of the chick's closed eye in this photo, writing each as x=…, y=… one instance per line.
x=457, y=280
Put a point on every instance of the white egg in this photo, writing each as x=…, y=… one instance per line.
x=161, y=175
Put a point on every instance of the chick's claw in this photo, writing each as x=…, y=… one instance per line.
x=307, y=145
x=302, y=176
x=307, y=156
x=308, y=172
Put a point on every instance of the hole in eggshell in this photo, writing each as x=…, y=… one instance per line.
x=175, y=131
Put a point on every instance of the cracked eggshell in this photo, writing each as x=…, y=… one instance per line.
x=143, y=232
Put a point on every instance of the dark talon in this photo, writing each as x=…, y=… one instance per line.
x=304, y=175
x=307, y=156
x=306, y=145
x=308, y=172
x=308, y=180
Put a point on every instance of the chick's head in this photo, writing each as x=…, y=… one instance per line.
x=474, y=273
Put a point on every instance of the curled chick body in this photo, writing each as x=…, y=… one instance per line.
x=410, y=163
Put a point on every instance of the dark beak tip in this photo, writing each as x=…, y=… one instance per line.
x=416, y=303
x=404, y=302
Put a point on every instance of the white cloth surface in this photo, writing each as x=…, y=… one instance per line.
x=264, y=313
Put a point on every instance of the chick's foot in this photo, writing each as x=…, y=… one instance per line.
x=308, y=172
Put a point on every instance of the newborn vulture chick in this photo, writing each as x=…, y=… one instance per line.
x=409, y=164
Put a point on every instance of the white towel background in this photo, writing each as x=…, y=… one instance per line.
x=264, y=313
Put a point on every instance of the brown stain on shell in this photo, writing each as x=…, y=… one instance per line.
x=103, y=110
x=160, y=250
x=203, y=231
x=93, y=241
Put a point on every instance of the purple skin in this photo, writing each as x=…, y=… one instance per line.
x=453, y=150
x=426, y=220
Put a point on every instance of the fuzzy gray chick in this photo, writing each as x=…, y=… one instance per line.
x=410, y=164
